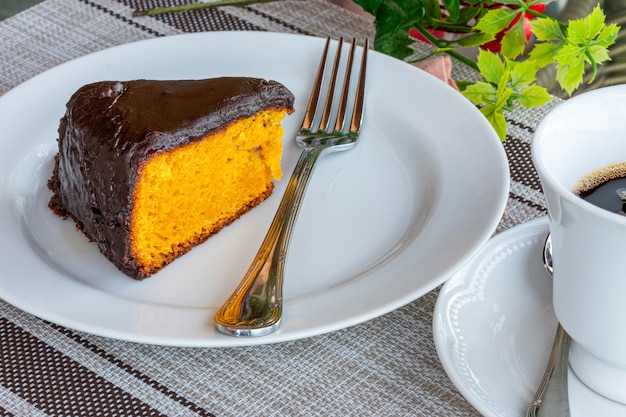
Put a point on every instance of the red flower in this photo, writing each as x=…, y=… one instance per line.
x=417, y=35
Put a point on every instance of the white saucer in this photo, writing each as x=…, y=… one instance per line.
x=494, y=324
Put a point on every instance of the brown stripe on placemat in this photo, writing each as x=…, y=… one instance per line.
x=203, y=20
x=121, y=17
x=57, y=384
x=130, y=370
x=528, y=202
x=521, y=125
x=521, y=164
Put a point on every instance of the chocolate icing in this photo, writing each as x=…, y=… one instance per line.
x=110, y=128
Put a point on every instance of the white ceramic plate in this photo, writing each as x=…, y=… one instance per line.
x=380, y=226
x=494, y=326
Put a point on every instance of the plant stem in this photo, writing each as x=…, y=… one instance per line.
x=196, y=6
x=539, y=15
x=594, y=66
x=443, y=48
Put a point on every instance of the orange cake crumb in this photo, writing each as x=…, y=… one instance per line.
x=184, y=196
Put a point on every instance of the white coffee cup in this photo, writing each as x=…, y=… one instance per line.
x=580, y=136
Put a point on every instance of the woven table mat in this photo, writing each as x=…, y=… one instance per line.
x=384, y=367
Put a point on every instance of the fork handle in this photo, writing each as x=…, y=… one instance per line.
x=255, y=307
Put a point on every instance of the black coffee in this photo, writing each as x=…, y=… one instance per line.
x=605, y=188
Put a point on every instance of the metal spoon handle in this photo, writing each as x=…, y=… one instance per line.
x=551, y=398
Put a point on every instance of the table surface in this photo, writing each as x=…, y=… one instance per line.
x=387, y=366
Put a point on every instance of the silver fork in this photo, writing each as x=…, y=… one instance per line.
x=255, y=307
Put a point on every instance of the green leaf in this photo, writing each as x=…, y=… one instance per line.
x=464, y=84
x=511, y=2
x=503, y=96
x=546, y=29
x=394, y=44
x=581, y=31
x=577, y=32
x=514, y=41
x=570, y=70
x=480, y=93
x=453, y=7
x=496, y=20
x=595, y=21
x=490, y=66
x=533, y=96
x=475, y=39
x=432, y=9
x=599, y=53
x=393, y=20
x=523, y=74
x=504, y=81
x=535, y=2
x=496, y=119
x=569, y=53
x=544, y=53
x=608, y=35
x=468, y=13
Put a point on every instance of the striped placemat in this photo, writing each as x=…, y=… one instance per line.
x=384, y=367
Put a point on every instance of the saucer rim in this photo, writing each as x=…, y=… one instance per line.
x=443, y=340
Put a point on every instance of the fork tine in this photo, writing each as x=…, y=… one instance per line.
x=357, y=113
x=343, y=103
x=331, y=88
x=315, y=93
